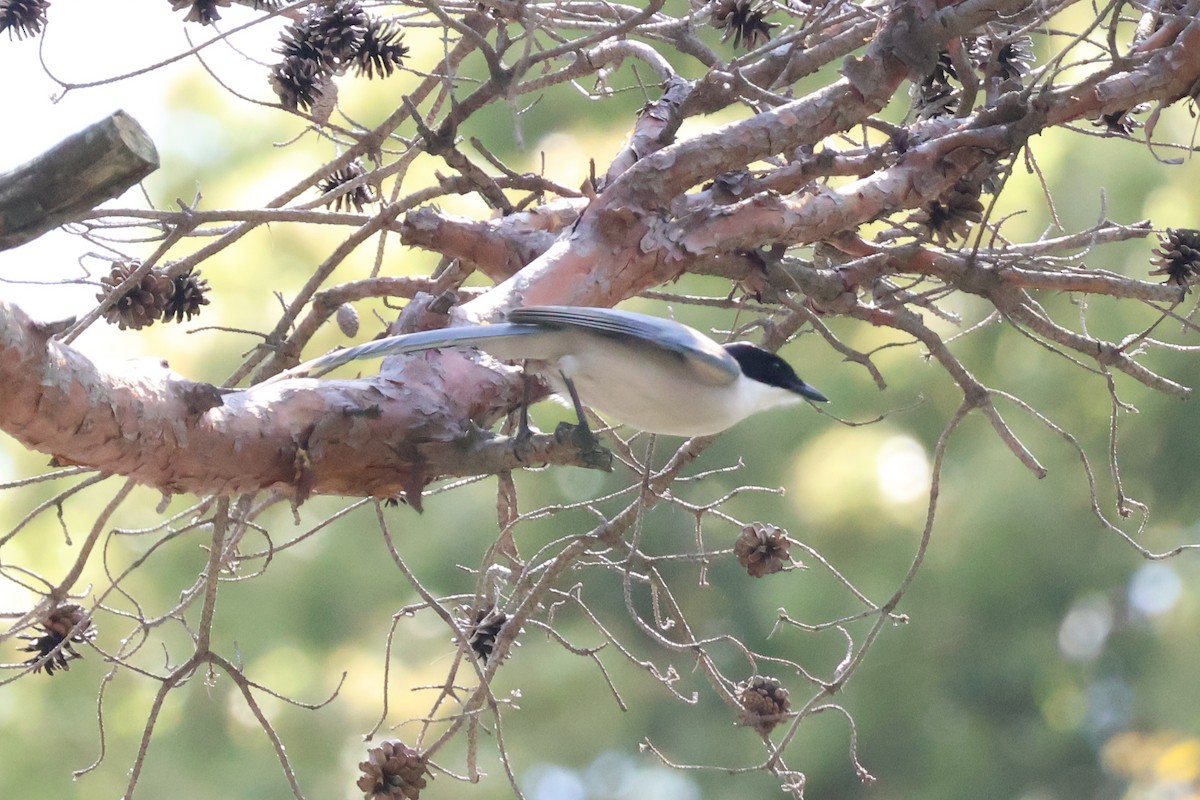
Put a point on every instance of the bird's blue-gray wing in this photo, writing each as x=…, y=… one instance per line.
x=708, y=360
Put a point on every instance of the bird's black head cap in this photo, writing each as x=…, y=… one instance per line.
x=767, y=367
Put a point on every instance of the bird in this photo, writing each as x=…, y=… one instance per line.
x=653, y=374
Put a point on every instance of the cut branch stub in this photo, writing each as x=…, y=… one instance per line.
x=73, y=177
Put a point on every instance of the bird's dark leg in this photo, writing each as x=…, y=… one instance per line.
x=524, y=433
x=594, y=454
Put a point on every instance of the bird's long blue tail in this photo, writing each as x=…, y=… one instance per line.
x=467, y=336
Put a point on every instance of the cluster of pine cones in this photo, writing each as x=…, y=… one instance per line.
x=156, y=296
x=332, y=38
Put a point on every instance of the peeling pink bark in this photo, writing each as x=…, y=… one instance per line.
x=354, y=437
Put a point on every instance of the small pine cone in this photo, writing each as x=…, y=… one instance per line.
x=355, y=198
x=347, y=320
x=298, y=41
x=1178, y=256
x=140, y=305
x=190, y=289
x=764, y=703
x=951, y=215
x=933, y=100
x=392, y=771
x=298, y=82
x=203, y=11
x=1121, y=123
x=337, y=30
x=743, y=21
x=382, y=50
x=23, y=18
x=762, y=549
x=485, y=627
x=1008, y=59
x=57, y=630
x=943, y=69
x=934, y=96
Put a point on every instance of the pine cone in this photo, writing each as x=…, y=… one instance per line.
x=203, y=11
x=298, y=82
x=740, y=19
x=485, y=627
x=1178, y=256
x=23, y=17
x=933, y=100
x=189, y=293
x=141, y=304
x=347, y=320
x=392, y=771
x=382, y=51
x=934, y=95
x=1121, y=123
x=950, y=216
x=297, y=41
x=943, y=69
x=337, y=30
x=762, y=549
x=355, y=198
x=1008, y=58
x=764, y=703
x=56, y=628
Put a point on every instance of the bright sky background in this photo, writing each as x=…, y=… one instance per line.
x=89, y=41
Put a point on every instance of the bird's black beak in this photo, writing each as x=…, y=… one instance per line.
x=804, y=390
